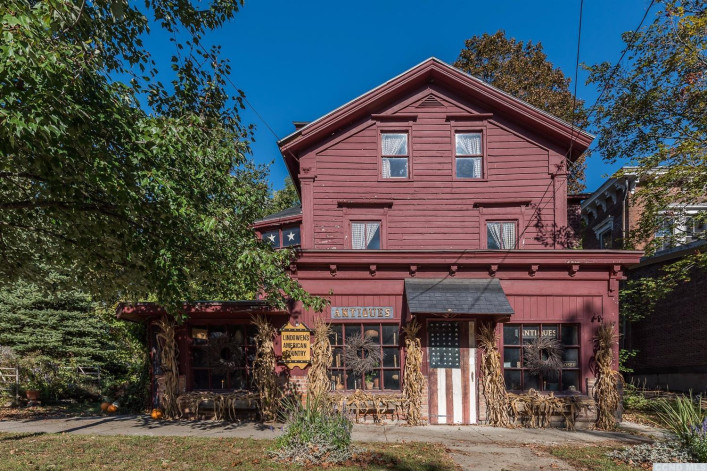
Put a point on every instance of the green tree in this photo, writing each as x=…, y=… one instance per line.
x=283, y=199
x=523, y=70
x=653, y=113
x=126, y=186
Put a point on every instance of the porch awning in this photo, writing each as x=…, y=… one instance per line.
x=456, y=296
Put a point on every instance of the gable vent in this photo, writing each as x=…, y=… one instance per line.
x=430, y=102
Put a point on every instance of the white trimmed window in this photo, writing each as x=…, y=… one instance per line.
x=366, y=235
x=395, y=155
x=468, y=155
x=501, y=235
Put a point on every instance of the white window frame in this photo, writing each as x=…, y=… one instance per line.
x=405, y=156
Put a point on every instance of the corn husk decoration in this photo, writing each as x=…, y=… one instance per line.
x=493, y=385
x=317, y=377
x=168, y=362
x=264, y=378
x=413, y=381
x=606, y=392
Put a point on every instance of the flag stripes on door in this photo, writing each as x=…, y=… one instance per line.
x=452, y=371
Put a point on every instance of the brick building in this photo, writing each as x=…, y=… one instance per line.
x=670, y=342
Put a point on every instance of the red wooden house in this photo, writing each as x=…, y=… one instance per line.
x=438, y=197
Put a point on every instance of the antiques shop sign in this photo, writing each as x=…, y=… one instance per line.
x=296, y=346
x=362, y=312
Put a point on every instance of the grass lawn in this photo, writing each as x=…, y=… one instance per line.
x=77, y=452
x=591, y=458
x=51, y=411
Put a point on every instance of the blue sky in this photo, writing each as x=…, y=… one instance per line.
x=298, y=60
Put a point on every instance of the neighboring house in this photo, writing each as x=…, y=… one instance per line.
x=670, y=342
x=440, y=198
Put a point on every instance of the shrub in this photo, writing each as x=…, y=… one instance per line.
x=680, y=416
x=634, y=400
x=314, y=433
x=698, y=442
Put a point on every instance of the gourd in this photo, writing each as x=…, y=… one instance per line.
x=112, y=408
x=105, y=406
x=156, y=414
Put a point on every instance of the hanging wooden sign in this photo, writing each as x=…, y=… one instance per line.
x=296, y=345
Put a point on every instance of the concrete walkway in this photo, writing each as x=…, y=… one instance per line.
x=472, y=447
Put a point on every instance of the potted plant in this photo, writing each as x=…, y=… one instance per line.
x=369, y=381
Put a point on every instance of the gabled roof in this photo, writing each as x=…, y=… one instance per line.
x=444, y=74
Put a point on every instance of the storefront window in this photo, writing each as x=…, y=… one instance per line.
x=518, y=378
x=386, y=376
x=221, y=356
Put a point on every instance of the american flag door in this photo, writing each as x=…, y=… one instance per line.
x=452, y=370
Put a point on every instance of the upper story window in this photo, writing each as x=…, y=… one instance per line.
x=395, y=155
x=286, y=237
x=605, y=240
x=501, y=235
x=366, y=235
x=681, y=227
x=468, y=155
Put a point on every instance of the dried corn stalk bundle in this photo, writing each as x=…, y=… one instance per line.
x=534, y=410
x=493, y=386
x=413, y=381
x=361, y=404
x=168, y=362
x=264, y=368
x=225, y=405
x=317, y=376
x=606, y=393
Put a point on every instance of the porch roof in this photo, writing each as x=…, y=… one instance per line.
x=456, y=296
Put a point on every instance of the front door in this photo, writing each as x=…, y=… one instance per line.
x=452, y=372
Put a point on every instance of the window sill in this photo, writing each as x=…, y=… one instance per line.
x=394, y=180
x=469, y=180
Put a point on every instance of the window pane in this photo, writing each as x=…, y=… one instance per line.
x=570, y=380
x=391, y=358
x=290, y=236
x=511, y=335
x=372, y=332
x=218, y=381
x=337, y=380
x=552, y=383
x=373, y=380
x=395, y=167
x=530, y=381
x=335, y=335
x=391, y=334
x=468, y=144
x=239, y=336
x=508, y=235
x=201, y=379
x=512, y=379
x=493, y=236
x=353, y=381
x=391, y=379
x=217, y=332
x=373, y=236
x=570, y=357
x=511, y=357
x=468, y=167
x=272, y=238
x=530, y=333
x=550, y=330
x=338, y=358
x=238, y=379
x=352, y=330
x=394, y=144
x=570, y=335
x=198, y=358
x=200, y=335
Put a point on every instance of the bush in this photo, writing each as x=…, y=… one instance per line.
x=637, y=401
x=698, y=442
x=314, y=433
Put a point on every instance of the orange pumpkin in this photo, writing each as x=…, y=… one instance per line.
x=105, y=406
x=112, y=409
x=156, y=414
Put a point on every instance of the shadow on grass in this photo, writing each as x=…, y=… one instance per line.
x=19, y=436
